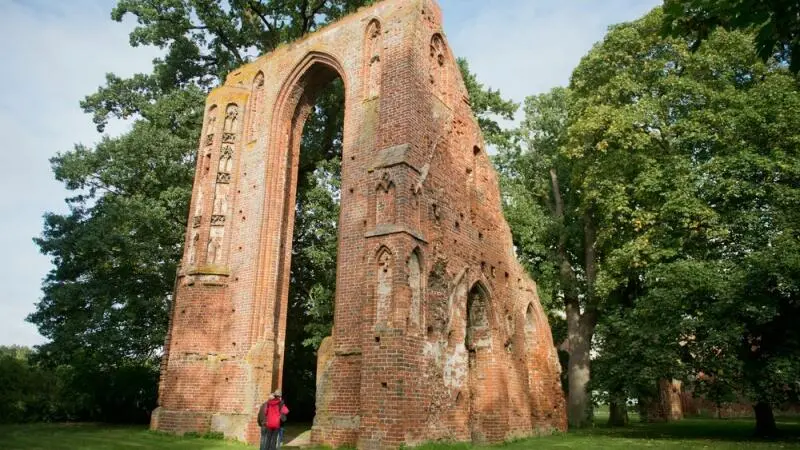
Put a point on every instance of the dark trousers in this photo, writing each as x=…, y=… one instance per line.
x=269, y=438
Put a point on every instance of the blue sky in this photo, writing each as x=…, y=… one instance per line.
x=55, y=52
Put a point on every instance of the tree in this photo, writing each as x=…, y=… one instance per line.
x=656, y=158
x=554, y=235
x=106, y=301
x=776, y=24
x=488, y=105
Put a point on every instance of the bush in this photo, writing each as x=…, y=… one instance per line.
x=31, y=391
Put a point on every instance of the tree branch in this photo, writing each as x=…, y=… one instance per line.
x=224, y=39
x=253, y=7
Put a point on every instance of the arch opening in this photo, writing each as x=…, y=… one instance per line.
x=311, y=121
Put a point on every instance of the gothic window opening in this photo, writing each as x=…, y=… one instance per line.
x=384, y=286
x=192, y=253
x=530, y=319
x=214, y=250
x=231, y=123
x=385, y=207
x=198, y=206
x=477, y=317
x=255, y=108
x=211, y=123
x=372, y=59
x=208, y=139
x=438, y=68
x=415, y=284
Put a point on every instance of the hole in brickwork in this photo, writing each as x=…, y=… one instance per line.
x=480, y=236
x=430, y=331
x=385, y=385
x=476, y=150
x=377, y=339
x=458, y=226
x=351, y=190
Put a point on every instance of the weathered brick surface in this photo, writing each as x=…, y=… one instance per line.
x=438, y=332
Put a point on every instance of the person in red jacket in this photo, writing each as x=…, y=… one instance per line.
x=271, y=416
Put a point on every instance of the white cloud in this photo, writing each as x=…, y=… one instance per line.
x=53, y=53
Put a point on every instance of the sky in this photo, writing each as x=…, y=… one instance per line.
x=55, y=52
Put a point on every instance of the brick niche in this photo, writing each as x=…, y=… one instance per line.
x=438, y=331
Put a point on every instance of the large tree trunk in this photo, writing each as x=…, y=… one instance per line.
x=617, y=413
x=580, y=326
x=578, y=368
x=765, y=420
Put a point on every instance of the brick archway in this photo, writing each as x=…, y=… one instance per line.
x=420, y=219
x=294, y=104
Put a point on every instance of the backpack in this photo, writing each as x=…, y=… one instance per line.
x=280, y=410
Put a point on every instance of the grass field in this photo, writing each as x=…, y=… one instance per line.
x=688, y=434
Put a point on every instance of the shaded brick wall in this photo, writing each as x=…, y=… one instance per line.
x=438, y=331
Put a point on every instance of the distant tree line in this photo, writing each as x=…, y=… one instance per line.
x=32, y=390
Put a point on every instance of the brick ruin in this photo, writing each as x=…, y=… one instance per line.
x=438, y=331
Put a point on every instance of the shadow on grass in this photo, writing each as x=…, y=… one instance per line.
x=685, y=434
x=738, y=430
x=100, y=437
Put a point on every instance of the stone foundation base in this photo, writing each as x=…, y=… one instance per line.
x=241, y=427
x=335, y=431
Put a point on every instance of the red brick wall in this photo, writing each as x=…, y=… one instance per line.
x=416, y=180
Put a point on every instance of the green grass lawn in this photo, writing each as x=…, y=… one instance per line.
x=689, y=434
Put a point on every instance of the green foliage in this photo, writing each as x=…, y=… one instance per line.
x=488, y=105
x=25, y=392
x=203, y=41
x=678, y=173
x=775, y=24
x=106, y=301
x=116, y=251
x=31, y=391
x=719, y=289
